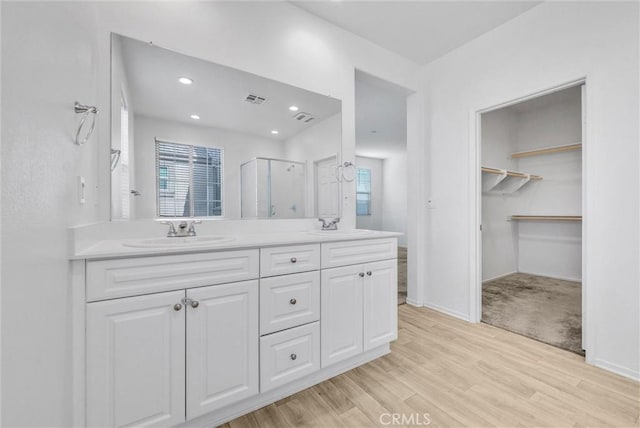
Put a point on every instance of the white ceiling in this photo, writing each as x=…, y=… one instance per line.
x=381, y=117
x=216, y=95
x=418, y=30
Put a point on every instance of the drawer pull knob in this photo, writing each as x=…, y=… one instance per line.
x=294, y=356
x=369, y=273
x=177, y=307
x=361, y=274
x=195, y=303
x=293, y=301
x=293, y=260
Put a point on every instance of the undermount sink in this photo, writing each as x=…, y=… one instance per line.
x=340, y=232
x=179, y=242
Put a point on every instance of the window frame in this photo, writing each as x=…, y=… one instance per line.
x=192, y=215
x=369, y=204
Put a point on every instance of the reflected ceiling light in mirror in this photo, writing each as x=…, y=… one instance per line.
x=294, y=108
x=194, y=117
x=274, y=132
x=185, y=80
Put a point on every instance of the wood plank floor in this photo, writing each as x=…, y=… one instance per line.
x=461, y=374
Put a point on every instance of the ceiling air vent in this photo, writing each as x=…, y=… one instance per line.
x=304, y=117
x=255, y=99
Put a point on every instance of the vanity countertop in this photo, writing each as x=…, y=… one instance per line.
x=116, y=248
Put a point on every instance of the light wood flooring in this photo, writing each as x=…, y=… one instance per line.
x=461, y=374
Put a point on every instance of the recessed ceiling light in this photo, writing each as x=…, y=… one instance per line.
x=185, y=80
x=194, y=117
x=275, y=132
x=294, y=108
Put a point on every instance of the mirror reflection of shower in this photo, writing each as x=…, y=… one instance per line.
x=273, y=188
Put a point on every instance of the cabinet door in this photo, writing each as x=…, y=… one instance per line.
x=135, y=361
x=222, y=346
x=380, y=303
x=341, y=313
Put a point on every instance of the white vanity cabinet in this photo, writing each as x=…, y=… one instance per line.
x=359, y=301
x=135, y=361
x=196, y=339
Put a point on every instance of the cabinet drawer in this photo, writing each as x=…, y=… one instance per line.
x=336, y=254
x=289, y=300
x=290, y=259
x=289, y=355
x=107, y=279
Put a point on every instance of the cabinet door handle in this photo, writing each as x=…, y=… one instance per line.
x=361, y=274
x=177, y=307
x=293, y=260
x=195, y=303
x=293, y=301
x=369, y=273
x=293, y=356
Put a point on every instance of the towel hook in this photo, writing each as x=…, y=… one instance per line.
x=85, y=111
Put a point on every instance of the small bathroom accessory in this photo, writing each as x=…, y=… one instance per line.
x=184, y=229
x=346, y=172
x=86, y=111
x=330, y=225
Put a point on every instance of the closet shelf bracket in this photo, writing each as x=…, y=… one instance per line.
x=504, y=181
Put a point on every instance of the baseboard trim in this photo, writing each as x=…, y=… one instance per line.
x=256, y=402
x=617, y=369
x=499, y=276
x=415, y=303
x=563, y=278
x=447, y=311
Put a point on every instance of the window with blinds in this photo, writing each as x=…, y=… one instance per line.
x=189, y=180
x=363, y=191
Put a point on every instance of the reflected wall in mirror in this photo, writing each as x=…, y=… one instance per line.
x=190, y=138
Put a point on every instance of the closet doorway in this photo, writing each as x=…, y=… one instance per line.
x=531, y=217
x=381, y=162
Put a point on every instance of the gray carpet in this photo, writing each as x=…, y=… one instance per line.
x=402, y=275
x=545, y=309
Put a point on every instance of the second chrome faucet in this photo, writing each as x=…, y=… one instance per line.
x=184, y=228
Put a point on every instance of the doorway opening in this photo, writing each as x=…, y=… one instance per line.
x=381, y=162
x=531, y=217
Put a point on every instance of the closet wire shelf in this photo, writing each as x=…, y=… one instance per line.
x=546, y=217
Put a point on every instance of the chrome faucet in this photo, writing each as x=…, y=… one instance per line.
x=172, y=229
x=192, y=227
x=330, y=225
x=184, y=228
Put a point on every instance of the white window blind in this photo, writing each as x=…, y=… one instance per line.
x=189, y=180
x=363, y=191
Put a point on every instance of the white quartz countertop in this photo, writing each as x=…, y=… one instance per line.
x=114, y=248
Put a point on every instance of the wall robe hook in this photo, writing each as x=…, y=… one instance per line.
x=86, y=111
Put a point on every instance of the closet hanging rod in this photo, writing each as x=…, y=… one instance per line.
x=510, y=173
x=547, y=217
x=547, y=150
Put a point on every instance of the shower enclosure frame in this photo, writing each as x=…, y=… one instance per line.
x=269, y=183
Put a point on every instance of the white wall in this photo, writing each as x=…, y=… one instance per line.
x=56, y=52
x=499, y=242
x=238, y=148
x=551, y=44
x=373, y=221
x=48, y=62
x=394, y=189
x=320, y=141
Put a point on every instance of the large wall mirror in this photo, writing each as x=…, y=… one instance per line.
x=190, y=138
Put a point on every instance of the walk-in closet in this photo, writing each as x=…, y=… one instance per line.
x=532, y=217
